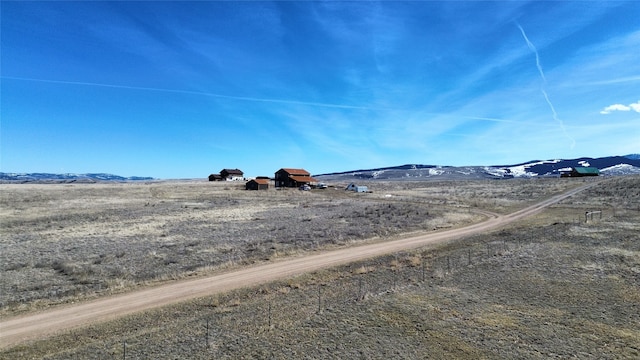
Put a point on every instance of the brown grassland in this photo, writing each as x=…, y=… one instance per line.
x=558, y=284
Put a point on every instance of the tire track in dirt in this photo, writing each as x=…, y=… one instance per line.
x=14, y=331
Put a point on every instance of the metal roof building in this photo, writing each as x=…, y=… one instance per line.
x=581, y=171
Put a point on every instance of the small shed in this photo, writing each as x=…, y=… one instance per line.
x=215, y=177
x=357, y=188
x=257, y=184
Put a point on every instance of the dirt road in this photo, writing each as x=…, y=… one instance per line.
x=16, y=330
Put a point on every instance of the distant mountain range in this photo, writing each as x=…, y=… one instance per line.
x=611, y=165
x=608, y=166
x=66, y=178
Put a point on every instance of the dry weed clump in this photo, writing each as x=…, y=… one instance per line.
x=363, y=270
x=414, y=261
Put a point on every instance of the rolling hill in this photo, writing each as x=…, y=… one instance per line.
x=611, y=165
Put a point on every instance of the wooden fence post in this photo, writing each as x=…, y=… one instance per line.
x=395, y=279
x=206, y=341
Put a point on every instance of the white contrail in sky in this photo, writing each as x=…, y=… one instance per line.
x=535, y=51
x=252, y=99
x=544, y=81
x=190, y=92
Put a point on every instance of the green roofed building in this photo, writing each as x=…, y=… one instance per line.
x=582, y=171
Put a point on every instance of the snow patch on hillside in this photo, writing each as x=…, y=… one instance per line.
x=620, y=169
x=521, y=170
x=377, y=174
x=499, y=172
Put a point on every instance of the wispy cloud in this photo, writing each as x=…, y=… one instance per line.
x=629, y=79
x=620, y=107
x=273, y=100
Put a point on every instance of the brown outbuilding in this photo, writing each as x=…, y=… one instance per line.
x=257, y=184
x=288, y=177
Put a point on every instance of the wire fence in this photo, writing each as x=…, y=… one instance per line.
x=223, y=323
x=227, y=320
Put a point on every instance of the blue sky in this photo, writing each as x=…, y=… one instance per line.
x=183, y=89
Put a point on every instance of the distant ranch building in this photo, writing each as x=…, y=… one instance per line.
x=580, y=171
x=259, y=183
x=287, y=177
x=227, y=175
x=232, y=174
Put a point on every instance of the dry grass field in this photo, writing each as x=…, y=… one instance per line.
x=550, y=286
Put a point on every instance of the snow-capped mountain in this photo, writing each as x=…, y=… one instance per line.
x=68, y=178
x=612, y=165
